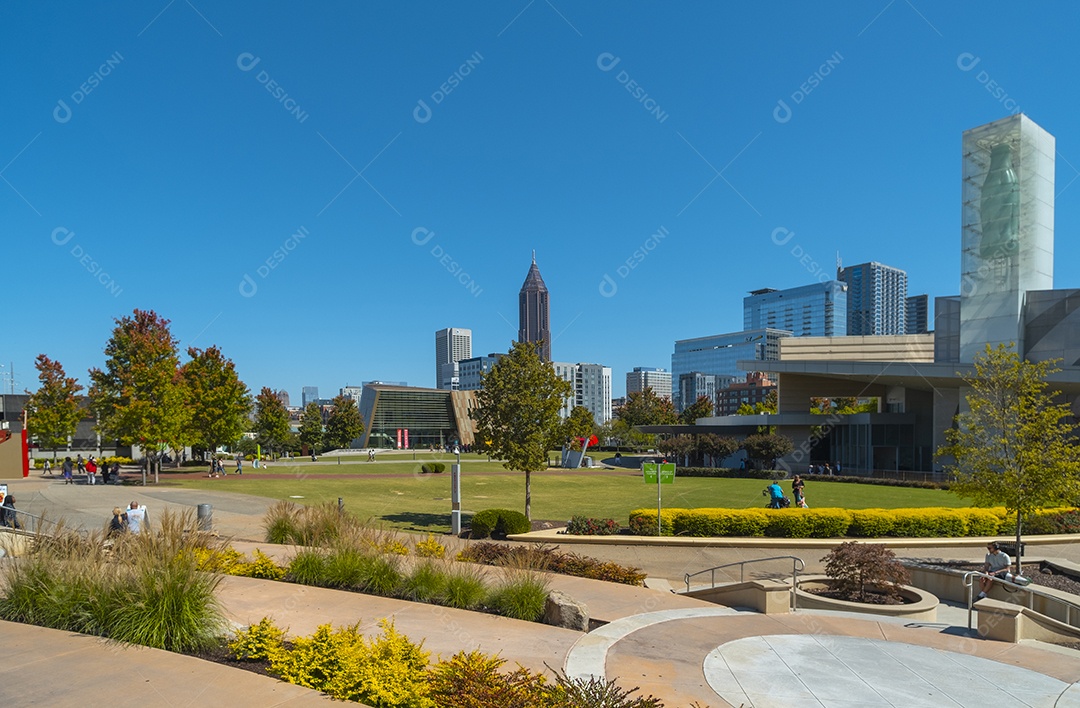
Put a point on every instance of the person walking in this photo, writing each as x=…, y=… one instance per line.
x=80, y=466
x=67, y=470
x=91, y=471
x=46, y=469
x=239, y=464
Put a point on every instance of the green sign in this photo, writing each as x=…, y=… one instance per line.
x=666, y=470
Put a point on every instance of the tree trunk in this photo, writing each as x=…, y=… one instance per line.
x=528, y=496
x=1018, y=531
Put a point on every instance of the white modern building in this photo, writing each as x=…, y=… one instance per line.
x=592, y=389
x=451, y=346
x=472, y=370
x=659, y=380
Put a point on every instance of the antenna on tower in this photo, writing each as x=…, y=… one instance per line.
x=534, y=256
x=839, y=265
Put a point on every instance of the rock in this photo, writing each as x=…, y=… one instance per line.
x=561, y=610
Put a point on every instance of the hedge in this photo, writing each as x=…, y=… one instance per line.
x=930, y=522
x=498, y=522
x=734, y=473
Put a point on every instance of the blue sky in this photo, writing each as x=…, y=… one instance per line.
x=318, y=187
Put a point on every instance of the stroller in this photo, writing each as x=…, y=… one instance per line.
x=776, y=502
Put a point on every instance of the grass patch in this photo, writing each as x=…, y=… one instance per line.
x=520, y=594
x=422, y=502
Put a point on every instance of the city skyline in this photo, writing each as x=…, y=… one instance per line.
x=329, y=185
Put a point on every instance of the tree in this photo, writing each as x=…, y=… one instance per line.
x=715, y=447
x=1016, y=444
x=271, y=420
x=765, y=449
x=139, y=395
x=311, y=427
x=517, y=409
x=52, y=412
x=676, y=446
x=344, y=424
x=579, y=424
x=646, y=408
x=701, y=408
x=218, y=400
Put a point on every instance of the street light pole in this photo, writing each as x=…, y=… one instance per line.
x=455, y=492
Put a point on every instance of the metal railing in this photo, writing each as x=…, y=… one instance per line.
x=27, y=522
x=1031, y=593
x=796, y=565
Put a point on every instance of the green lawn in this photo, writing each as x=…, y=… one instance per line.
x=410, y=500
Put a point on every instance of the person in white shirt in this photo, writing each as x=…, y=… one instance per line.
x=136, y=518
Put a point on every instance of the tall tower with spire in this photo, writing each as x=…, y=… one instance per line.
x=534, y=312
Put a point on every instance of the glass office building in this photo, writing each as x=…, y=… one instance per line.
x=816, y=310
x=876, y=299
x=415, y=418
x=720, y=354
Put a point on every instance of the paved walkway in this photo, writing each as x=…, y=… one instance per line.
x=676, y=648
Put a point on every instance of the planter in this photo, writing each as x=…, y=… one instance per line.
x=918, y=604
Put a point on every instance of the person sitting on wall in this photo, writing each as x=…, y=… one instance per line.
x=996, y=565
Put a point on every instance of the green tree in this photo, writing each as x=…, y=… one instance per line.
x=676, y=447
x=218, y=400
x=344, y=424
x=1016, y=444
x=715, y=447
x=646, y=408
x=701, y=408
x=311, y=427
x=517, y=409
x=52, y=412
x=271, y=421
x=765, y=449
x=139, y=396
x=579, y=424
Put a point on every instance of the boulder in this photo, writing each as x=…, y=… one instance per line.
x=561, y=610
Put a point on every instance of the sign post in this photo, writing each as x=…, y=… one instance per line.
x=662, y=473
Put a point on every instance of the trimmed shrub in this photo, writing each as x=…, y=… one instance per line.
x=643, y=522
x=257, y=642
x=721, y=522
x=914, y=523
x=498, y=523
x=588, y=526
x=807, y=523
x=432, y=468
x=871, y=523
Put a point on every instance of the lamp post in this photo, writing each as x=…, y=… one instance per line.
x=455, y=492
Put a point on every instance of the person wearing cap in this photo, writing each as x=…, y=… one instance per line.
x=996, y=565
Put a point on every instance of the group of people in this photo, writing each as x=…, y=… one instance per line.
x=824, y=468
x=89, y=467
x=777, y=500
x=131, y=521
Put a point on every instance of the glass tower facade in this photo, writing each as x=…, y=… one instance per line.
x=1007, y=237
x=720, y=354
x=876, y=299
x=817, y=310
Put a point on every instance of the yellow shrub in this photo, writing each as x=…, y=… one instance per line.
x=394, y=547
x=430, y=548
x=257, y=642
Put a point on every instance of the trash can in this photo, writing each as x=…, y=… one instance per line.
x=205, y=516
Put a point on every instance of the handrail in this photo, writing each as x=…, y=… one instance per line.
x=20, y=515
x=1031, y=590
x=796, y=565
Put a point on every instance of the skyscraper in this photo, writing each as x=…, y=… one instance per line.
x=815, y=310
x=918, y=314
x=451, y=346
x=592, y=389
x=309, y=394
x=876, y=298
x=534, y=312
x=659, y=380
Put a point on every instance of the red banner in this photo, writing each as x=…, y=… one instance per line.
x=25, y=454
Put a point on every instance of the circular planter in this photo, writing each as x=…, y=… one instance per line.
x=918, y=604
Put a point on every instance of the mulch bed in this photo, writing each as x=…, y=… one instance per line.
x=870, y=598
x=220, y=655
x=1038, y=575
